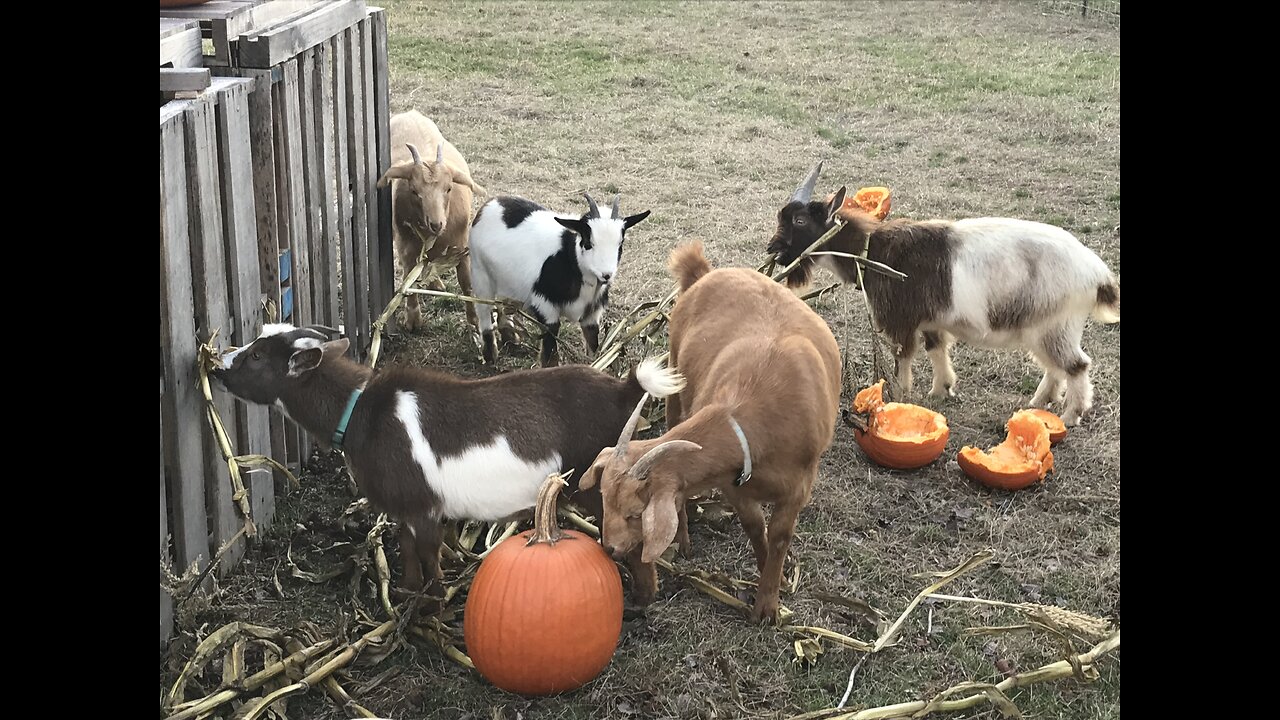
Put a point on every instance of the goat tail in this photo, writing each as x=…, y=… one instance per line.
x=688, y=264
x=1107, y=307
x=657, y=380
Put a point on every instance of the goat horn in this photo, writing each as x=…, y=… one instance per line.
x=629, y=429
x=417, y=159
x=641, y=469
x=595, y=211
x=616, y=212
x=440, y=154
x=805, y=191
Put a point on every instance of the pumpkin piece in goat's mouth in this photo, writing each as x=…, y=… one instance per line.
x=899, y=435
x=1057, y=429
x=875, y=201
x=1022, y=459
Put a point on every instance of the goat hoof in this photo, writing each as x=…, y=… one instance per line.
x=1072, y=418
x=765, y=614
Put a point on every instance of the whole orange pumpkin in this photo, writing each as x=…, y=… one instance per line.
x=545, y=609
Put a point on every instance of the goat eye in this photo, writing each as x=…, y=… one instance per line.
x=799, y=220
x=256, y=356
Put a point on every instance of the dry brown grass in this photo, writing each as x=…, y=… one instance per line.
x=709, y=113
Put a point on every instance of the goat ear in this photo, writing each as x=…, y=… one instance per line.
x=305, y=360
x=633, y=219
x=659, y=522
x=575, y=225
x=462, y=178
x=593, y=475
x=837, y=201
x=395, y=172
x=336, y=347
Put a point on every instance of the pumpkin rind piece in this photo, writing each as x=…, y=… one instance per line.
x=1022, y=459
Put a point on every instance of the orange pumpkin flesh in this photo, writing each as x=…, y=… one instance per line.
x=874, y=201
x=1022, y=459
x=1057, y=429
x=544, y=613
x=900, y=436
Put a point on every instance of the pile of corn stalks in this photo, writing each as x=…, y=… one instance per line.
x=289, y=663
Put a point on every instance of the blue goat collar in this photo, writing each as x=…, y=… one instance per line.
x=340, y=432
x=745, y=475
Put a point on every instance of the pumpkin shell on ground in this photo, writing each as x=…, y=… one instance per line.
x=1057, y=429
x=544, y=619
x=1022, y=459
x=900, y=435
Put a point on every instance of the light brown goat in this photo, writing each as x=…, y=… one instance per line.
x=430, y=197
x=758, y=411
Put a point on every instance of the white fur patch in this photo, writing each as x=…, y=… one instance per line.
x=231, y=356
x=657, y=380
x=270, y=329
x=486, y=482
x=304, y=343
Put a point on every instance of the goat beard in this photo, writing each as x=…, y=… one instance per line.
x=801, y=274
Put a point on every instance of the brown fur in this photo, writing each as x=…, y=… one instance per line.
x=429, y=200
x=751, y=350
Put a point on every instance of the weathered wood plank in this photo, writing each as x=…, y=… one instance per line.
x=293, y=214
x=323, y=95
x=294, y=207
x=183, y=412
x=173, y=26
x=243, y=269
x=184, y=79
x=166, y=602
x=313, y=186
x=277, y=44
x=350, y=311
x=377, y=300
x=382, y=123
x=213, y=313
x=355, y=180
x=181, y=49
x=262, y=114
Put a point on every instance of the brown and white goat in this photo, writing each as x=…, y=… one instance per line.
x=993, y=282
x=429, y=199
x=757, y=412
x=425, y=445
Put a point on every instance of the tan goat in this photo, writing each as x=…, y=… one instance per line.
x=429, y=198
x=757, y=413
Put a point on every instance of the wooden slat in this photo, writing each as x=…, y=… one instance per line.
x=294, y=203
x=184, y=79
x=243, y=270
x=356, y=179
x=213, y=312
x=262, y=150
x=183, y=411
x=382, y=123
x=377, y=301
x=350, y=309
x=181, y=49
x=271, y=47
x=328, y=245
x=173, y=26
x=166, y=602
x=293, y=221
x=313, y=185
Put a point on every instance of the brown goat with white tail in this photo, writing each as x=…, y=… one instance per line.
x=758, y=411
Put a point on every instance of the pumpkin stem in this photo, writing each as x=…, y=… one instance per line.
x=545, y=528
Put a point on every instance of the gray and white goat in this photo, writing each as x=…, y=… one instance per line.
x=558, y=266
x=993, y=282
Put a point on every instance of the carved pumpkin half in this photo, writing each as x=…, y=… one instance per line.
x=899, y=435
x=544, y=613
x=872, y=200
x=1022, y=459
x=1057, y=429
